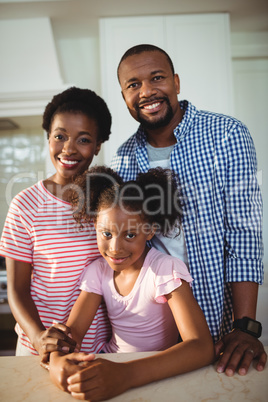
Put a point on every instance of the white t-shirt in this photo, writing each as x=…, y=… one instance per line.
x=40, y=230
x=174, y=244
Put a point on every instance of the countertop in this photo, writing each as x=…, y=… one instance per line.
x=22, y=379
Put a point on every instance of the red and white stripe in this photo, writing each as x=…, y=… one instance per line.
x=40, y=230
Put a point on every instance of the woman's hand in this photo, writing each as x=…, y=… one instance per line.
x=56, y=338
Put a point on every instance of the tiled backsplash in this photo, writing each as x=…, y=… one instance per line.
x=22, y=163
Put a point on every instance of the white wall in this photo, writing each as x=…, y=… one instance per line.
x=250, y=72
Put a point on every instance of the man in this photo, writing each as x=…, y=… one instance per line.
x=214, y=158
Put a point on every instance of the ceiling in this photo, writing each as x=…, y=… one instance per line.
x=245, y=15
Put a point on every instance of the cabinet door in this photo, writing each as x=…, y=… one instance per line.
x=199, y=47
x=116, y=36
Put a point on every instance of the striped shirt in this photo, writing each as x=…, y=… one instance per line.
x=215, y=160
x=40, y=230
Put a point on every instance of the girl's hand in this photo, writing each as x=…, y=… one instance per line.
x=100, y=380
x=56, y=338
x=63, y=366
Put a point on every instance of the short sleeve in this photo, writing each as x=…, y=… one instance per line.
x=169, y=277
x=91, y=277
x=16, y=241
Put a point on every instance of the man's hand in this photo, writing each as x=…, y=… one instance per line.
x=236, y=351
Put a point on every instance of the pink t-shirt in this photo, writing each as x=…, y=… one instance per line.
x=40, y=230
x=142, y=320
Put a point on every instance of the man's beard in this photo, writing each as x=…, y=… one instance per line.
x=162, y=122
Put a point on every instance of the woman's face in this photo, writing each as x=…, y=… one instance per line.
x=73, y=142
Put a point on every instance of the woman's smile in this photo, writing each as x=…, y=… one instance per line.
x=73, y=142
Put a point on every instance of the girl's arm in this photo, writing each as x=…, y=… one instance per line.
x=82, y=314
x=195, y=351
x=25, y=312
x=80, y=318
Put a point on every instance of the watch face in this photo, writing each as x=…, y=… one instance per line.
x=248, y=325
x=253, y=326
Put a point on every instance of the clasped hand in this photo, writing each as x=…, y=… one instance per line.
x=56, y=338
x=88, y=378
x=236, y=351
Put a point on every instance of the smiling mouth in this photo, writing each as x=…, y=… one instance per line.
x=117, y=260
x=68, y=163
x=152, y=106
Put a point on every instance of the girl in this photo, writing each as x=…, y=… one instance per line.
x=147, y=293
x=45, y=249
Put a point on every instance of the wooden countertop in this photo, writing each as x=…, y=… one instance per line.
x=22, y=379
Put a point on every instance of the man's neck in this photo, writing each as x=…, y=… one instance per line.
x=161, y=137
x=164, y=136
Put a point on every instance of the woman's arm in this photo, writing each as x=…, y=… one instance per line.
x=104, y=379
x=25, y=312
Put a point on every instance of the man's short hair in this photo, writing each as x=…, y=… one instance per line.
x=138, y=49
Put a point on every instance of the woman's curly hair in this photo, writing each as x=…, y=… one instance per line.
x=77, y=100
x=154, y=195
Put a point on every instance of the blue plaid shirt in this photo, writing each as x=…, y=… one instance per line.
x=215, y=161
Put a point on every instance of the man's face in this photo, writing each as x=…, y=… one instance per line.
x=150, y=89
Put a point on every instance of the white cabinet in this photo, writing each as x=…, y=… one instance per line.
x=199, y=46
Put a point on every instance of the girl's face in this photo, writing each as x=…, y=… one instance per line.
x=122, y=238
x=73, y=142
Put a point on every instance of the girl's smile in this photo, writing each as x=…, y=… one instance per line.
x=122, y=239
x=116, y=260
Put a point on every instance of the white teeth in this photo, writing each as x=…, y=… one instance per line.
x=152, y=106
x=67, y=162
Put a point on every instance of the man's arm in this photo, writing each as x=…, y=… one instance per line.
x=243, y=249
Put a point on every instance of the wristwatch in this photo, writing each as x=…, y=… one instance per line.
x=248, y=325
